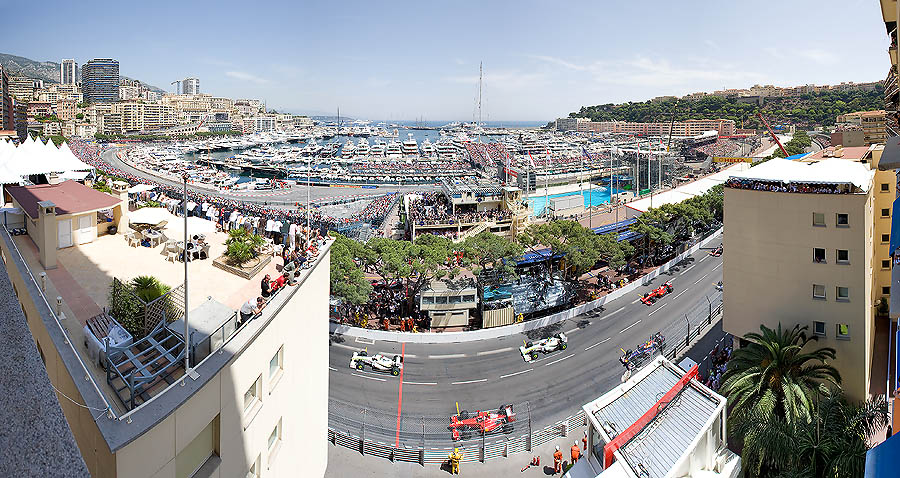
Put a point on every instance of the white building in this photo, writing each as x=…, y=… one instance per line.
x=190, y=86
x=660, y=423
x=68, y=72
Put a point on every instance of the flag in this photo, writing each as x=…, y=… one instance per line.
x=586, y=154
x=531, y=160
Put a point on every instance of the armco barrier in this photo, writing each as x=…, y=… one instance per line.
x=493, y=333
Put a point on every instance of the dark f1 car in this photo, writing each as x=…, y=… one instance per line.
x=644, y=352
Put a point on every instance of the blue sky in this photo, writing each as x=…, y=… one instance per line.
x=403, y=60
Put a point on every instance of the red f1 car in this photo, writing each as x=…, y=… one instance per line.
x=464, y=426
x=717, y=251
x=650, y=297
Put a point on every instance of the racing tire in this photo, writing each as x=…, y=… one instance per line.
x=534, y=355
x=359, y=366
x=463, y=414
x=528, y=344
x=465, y=434
x=363, y=353
x=395, y=371
x=563, y=346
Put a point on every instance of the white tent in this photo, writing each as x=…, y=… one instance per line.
x=195, y=225
x=150, y=215
x=36, y=157
x=139, y=188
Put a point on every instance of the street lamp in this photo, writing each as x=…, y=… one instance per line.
x=187, y=339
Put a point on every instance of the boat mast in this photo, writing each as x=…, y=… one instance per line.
x=480, y=73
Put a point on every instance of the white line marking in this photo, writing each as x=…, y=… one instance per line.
x=558, y=360
x=635, y=301
x=718, y=266
x=409, y=356
x=347, y=347
x=332, y=368
x=570, y=331
x=689, y=268
x=611, y=314
x=704, y=258
x=598, y=343
x=361, y=340
x=700, y=279
x=446, y=356
x=469, y=381
x=492, y=352
x=368, y=377
x=630, y=326
x=419, y=383
x=673, y=298
x=656, y=310
x=516, y=373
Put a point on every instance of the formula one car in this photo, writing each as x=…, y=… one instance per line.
x=551, y=344
x=465, y=426
x=717, y=251
x=377, y=362
x=650, y=297
x=643, y=352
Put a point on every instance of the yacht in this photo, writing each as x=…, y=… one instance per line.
x=362, y=148
x=427, y=148
x=393, y=149
x=378, y=149
x=410, y=147
x=445, y=148
x=349, y=150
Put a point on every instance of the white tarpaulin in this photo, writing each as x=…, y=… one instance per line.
x=196, y=225
x=829, y=171
x=150, y=215
x=140, y=188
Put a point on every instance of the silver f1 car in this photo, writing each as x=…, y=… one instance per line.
x=377, y=362
x=556, y=342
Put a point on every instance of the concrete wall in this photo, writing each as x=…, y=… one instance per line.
x=769, y=271
x=298, y=397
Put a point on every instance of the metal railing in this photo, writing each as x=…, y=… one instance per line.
x=428, y=440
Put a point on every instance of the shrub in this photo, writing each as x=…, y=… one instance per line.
x=242, y=246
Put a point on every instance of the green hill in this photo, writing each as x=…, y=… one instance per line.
x=813, y=109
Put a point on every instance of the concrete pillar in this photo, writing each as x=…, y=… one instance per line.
x=47, y=226
x=120, y=212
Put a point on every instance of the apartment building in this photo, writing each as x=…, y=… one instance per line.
x=100, y=80
x=68, y=72
x=21, y=88
x=138, y=117
x=723, y=127
x=253, y=401
x=7, y=113
x=190, y=86
x=805, y=245
x=872, y=123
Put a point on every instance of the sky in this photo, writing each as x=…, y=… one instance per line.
x=405, y=60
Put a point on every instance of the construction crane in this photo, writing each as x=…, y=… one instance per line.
x=177, y=85
x=760, y=116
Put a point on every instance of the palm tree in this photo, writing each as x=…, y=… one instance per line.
x=771, y=385
x=148, y=288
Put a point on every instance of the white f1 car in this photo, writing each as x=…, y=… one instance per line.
x=551, y=344
x=377, y=362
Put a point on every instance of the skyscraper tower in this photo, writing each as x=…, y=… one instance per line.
x=100, y=81
x=68, y=72
x=190, y=86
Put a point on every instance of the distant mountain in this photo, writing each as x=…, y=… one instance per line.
x=42, y=70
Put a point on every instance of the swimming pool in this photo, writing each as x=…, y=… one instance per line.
x=599, y=195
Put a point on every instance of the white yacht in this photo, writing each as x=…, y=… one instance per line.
x=378, y=149
x=362, y=148
x=445, y=148
x=349, y=150
x=427, y=148
x=410, y=147
x=393, y=149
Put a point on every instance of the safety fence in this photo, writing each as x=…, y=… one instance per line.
x=429, y=440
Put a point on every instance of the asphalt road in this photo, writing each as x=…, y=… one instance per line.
x=485, y=374
x=297, y=193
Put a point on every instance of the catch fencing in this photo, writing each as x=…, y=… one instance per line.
x=429, y=440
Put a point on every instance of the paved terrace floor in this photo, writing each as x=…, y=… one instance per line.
x=84, y=273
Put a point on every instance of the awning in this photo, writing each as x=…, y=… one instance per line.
x=884, y=459
x=895, y=226
x=614, y=226
x=890, y=157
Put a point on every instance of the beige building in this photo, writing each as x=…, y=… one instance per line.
x=872, y=124
x=806, y=243
x=254, y=400
x=138, y=116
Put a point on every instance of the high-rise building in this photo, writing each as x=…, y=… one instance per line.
x=190, y=86
x=68, y=72
x=7, y=114
x=100, y=81
x=21, y=88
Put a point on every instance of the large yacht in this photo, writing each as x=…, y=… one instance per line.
x=427, y=148
x=349, y=150
x=445, y=148
x=362, y=148
x=393, y=149
x=378, y=149
x=410, y=147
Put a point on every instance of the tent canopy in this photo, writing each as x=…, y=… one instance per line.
x=150, y=215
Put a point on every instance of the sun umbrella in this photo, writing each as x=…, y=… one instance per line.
x=149, y=215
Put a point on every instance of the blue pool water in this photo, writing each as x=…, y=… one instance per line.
x=599, y=195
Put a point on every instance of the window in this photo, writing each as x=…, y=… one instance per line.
x=252, y=395
x=818, y=219
x=886, y=264
x=819, y=328
x=274, y=441
x=469, y=298
x=440, y=300
x=886, y=290
x=276, y=367
x=843, y=331
x=254, y=469
x=842, y=219
x=885, y=238
x=843, y=293
x=202, y=452
x=843, y=256
x=456, y=299
x=818, y=291
x=818, y=254
x=885, y=187
x=885, y=212
x=427, y=300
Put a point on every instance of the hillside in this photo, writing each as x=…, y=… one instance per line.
x=814, y=109
x=42, y=70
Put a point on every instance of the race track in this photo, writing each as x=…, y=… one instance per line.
x=485, y=374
